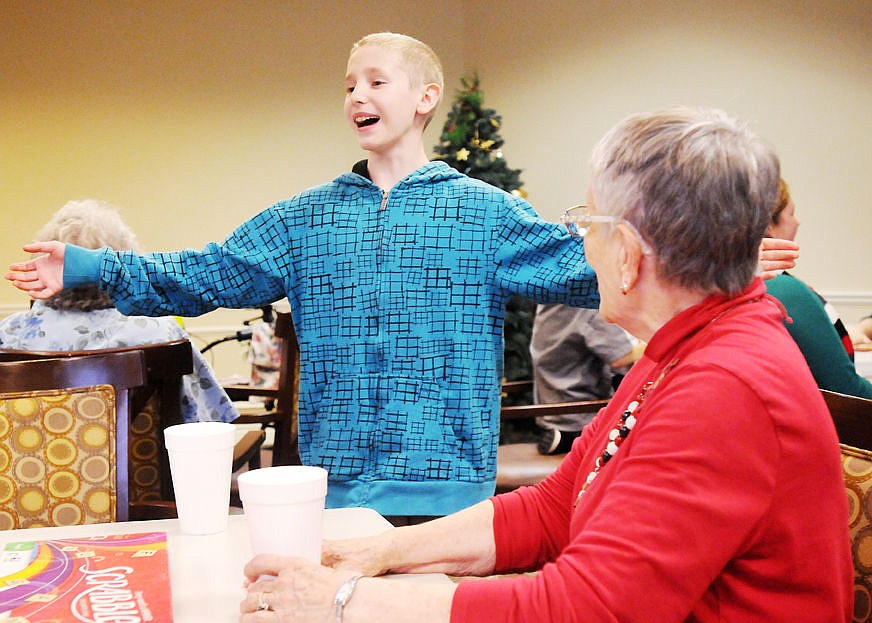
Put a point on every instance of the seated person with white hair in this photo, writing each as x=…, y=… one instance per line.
x=84, y=318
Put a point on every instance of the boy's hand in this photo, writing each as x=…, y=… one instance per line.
x=41, y=277
x=777, y=255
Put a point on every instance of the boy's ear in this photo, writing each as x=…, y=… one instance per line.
x=429, y=98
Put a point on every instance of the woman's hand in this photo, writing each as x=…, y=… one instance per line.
x=41, y=277
x=367, y=555
x=289, y=589
x=294, y=590
x=777, y=255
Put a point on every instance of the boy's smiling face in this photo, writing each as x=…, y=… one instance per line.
x=381, y=104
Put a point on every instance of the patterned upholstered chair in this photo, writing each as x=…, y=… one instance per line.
x=63, y=446
x=852, y=417
x=153, y=407
x=857, y=469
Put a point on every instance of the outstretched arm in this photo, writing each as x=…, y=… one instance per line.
x=458, y=544
x=777, y=255
x=43, y=276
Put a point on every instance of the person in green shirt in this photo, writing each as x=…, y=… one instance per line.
x=829, y=355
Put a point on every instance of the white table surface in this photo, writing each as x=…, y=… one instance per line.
x=206, y=571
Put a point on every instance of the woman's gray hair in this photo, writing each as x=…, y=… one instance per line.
x=699, y=187
x=90, y=224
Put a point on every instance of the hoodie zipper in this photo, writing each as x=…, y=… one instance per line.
x=384, y=201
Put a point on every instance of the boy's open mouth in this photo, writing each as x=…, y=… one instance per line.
x=365, y=120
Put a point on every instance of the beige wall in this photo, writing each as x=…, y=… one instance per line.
x=194, y=116
x=191, y=116
x=562, y=73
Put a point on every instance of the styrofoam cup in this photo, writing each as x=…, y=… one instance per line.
x=284, y=508
x=201, y=462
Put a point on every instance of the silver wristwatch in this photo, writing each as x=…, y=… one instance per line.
x=343, y=595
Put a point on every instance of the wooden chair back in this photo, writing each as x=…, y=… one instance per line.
x=283, y=416
x=153, y=407
x=65, y=451
x=520, y=464
x=853, y=418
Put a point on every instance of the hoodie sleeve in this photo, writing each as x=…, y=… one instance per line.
x=250, y=268
x=540, y=260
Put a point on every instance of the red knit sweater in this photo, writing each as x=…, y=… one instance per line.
x=725, y=503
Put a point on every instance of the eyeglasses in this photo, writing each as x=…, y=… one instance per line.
x=578, y=220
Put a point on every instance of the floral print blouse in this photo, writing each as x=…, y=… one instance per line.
x=44, y=328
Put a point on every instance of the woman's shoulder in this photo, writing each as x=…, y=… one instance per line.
x=782, y=280
x=787, y=286
x=123, y=330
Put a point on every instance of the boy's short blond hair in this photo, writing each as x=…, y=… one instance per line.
x=418, y=59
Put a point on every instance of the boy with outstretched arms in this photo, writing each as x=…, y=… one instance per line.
x=397, y=275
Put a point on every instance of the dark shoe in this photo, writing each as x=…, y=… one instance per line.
x=554, y=441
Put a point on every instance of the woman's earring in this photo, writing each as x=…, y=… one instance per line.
x=625, y=287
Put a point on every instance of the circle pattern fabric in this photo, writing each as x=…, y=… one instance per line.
x=857, y=470
x=145, y=447
x=57, y=451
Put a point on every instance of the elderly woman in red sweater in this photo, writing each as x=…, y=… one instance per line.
x=709, y=489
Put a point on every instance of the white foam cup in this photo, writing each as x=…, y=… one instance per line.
x=201, y=462
x=284, y=508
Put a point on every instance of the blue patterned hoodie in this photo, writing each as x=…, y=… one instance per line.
x=398, y=300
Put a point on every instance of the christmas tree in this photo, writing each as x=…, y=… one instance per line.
x=471, y=141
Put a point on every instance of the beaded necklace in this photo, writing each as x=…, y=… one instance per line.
x=627, y=419
x=623, y=427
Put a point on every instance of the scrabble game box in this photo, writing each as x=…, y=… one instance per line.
x=111, y=579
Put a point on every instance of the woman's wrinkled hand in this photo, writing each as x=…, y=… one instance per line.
x=289, y=589
x=367, y=555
